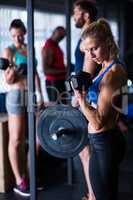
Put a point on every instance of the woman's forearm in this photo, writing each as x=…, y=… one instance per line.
x=92, y=115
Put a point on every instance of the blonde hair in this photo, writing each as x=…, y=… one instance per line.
x=101, y=31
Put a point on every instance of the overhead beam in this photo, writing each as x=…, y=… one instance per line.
x=45, y=6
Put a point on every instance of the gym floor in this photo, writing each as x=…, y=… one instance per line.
x=55, y=179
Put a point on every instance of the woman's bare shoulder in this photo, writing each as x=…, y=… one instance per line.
x=119, y=68
x=117, y=76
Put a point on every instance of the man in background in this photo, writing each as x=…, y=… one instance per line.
x=84, y=13
x=53, y=66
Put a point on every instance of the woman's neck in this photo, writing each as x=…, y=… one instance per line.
x=20, y=46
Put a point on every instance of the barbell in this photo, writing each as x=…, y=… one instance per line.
x=62, y=131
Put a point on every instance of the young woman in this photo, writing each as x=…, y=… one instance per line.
x=106, y=141
x=15, y=85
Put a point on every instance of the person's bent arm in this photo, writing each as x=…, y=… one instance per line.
x=89, y=66
x=95, y=117
x=8, y=54
x=9, y=73
x=98, y=118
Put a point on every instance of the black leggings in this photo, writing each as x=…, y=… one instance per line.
x=107, y=151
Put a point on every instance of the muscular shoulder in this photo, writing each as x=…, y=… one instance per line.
x=116, y=76
x=49, y=44
x=48, y=47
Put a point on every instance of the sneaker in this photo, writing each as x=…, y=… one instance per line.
x=22, y=189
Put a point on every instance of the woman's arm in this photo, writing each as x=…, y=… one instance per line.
x=96, y=117
x=38, y=90
x=10, y=73
x=99, y=117
x=8, y=54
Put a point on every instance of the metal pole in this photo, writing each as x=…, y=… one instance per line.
x=31, y=89
x=69, y=170
x=68, y=5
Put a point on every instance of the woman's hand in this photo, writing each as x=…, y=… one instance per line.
x=10, y=75
x=81, y=97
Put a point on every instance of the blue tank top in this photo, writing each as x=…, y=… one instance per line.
x=20, y=59
x=79, y=58
x=93, y=91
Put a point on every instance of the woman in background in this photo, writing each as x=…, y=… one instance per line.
x=15, y=79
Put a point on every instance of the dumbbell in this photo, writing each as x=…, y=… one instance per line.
x=4, y=63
